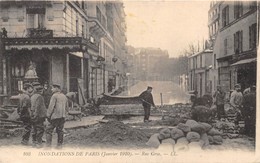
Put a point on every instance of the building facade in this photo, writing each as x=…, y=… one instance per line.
x=64, y=42
x=235, y=44
x=200, y=72
x=147, y=61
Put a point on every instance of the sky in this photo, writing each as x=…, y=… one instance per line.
x=169, y=25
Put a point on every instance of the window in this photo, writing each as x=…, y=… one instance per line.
x=252, y=36
x=253, y=5
x=200, y=60
x=225, y=47
x=238, y=42
x=215, y=61
x=36, y=17
x=225, y=16
x=238, y=9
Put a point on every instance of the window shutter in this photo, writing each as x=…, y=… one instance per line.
x=250, y=37
x=241, y=42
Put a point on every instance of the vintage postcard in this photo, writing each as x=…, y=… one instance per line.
x=129, y=81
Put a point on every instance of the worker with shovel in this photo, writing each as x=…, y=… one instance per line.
x=147, y=100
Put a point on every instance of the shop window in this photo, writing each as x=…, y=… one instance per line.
x=225, y=16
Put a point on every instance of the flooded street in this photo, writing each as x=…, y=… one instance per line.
x=171, y=92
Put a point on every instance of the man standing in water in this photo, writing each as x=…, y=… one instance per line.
x=147, y=100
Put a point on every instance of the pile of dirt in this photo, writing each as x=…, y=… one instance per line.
x=117, y=133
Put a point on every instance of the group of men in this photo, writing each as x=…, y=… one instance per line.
x=244, y=104
x=36, y=104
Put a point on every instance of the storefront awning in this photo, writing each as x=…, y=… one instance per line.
x=78, y=54
x=244, y=61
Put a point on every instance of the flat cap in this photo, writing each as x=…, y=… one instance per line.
x=149, y=87
x=36, y=84
x=27, y=85
x=237, y=86
x=56, y=85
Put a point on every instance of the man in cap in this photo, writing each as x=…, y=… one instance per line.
x=25, y=112
x=249, y=107
x=147, y=101
x=236, y=100
x=219, y=96
x=38, y=116
x=56, y=113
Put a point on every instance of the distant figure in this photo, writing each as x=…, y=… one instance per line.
x=147, y=100
x=38, y=116
x=56, y=114
x=219, y=96
x=4, y=33
x=24, y=110
x=47, y=93
x=249, y=105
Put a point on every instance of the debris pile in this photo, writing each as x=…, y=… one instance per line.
x=117, y=133
x=186, y=136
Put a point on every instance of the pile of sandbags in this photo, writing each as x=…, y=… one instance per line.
x=229, y=129
x=176, y=111
x=186, y=136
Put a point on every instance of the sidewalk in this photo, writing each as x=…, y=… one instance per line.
x=85, y=121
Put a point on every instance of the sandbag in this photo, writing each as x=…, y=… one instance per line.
x=183, y=140
x=164, y=134
x=213, y=132
x=193, y=137
x=206, y=126
x=211, y=140
x=185, y=128
x=191, y=123
x=205, y=138
x=153, y=141
x=168, y=141
x=202, y=113
x=217, y=139
x=199, y=128
x=176, y=133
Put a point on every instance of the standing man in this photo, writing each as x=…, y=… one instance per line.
x=249, y=105
x=147, y=100
x=56, y=114
x=236, y=100
x=38, y=110
x=24, y=110
x=47, y=93
x=219, y=96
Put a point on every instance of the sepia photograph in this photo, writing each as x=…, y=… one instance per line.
x=153, y=81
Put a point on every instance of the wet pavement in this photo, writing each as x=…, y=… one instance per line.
x=171, y=92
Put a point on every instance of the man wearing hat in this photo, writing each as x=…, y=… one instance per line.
x=38, y=116
x=219, y=96
x=147, y=101
x=56, y=113
x=25, y=112
x=236, y=100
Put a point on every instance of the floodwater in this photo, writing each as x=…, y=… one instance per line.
x=164, y=92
